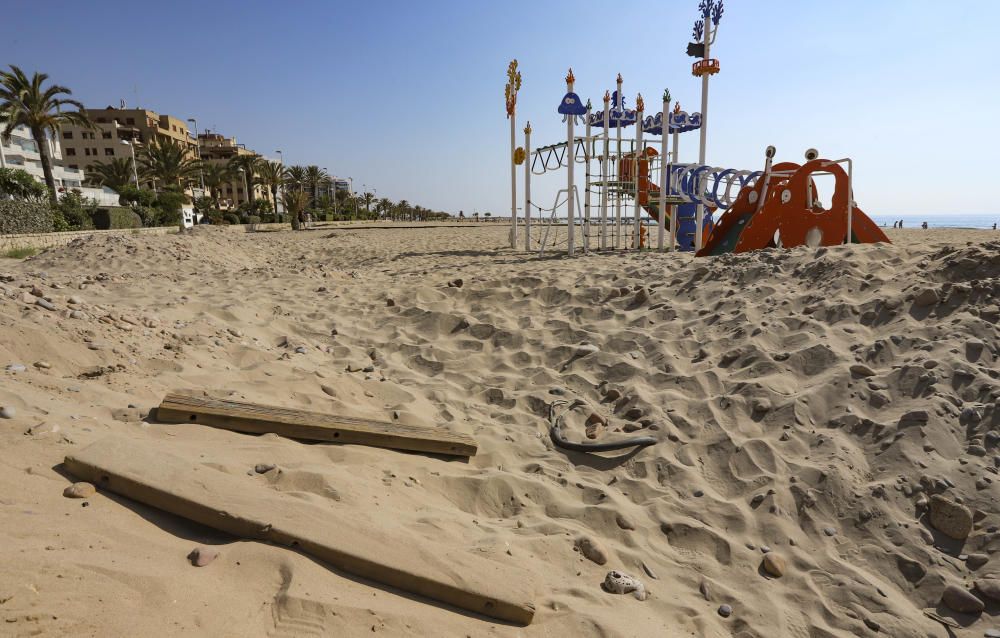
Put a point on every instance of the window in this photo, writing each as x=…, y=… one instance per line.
x=67, y=135
x=106, y=135
x=93, y=151
x=71, y=152
x=109, y=151
x=86, y=152
x=130, y=121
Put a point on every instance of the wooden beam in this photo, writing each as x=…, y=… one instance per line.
x=239, y=416
x=142, y=471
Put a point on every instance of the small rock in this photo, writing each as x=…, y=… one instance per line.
x=992, y=633
x=75, y=301
x=703, y=588
x=45, y=303
x=975, y=561
x=235, y=332
x=624, y=522
x=592, y=549
x=455, y=283
x=926, y=297
x=263, y=468
x=725, y=611
x=961, y=600
x=761, y=405
x=989, y=587
x=390, y=302
x=43, y=365
x=300, y=349
x=871, y=624
x=829, y=531
x=621, y=583
x=951, y=519
x=79, y=490
x=7, y=412
x=774, y=564
x=77, y=314
x=861, y=370
x=201, y=556
x=15, y=368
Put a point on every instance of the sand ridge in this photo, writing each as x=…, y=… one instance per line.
x=805, y=401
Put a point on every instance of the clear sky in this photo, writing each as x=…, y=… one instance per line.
x=408, y=97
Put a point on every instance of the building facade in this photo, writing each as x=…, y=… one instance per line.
x=21, y=152
x=82, y=147
x=219, y=149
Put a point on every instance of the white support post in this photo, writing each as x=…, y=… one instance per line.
x=703, y=132
x=605, y=176
x=618, y=177
x=527, y=187
x=850, y=198
x=636, y=204
x=513, y=185
x=586, y=189
x=664, y=170
x=570, y=227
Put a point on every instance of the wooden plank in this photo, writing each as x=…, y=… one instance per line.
x=178, y=407
x=142, y=471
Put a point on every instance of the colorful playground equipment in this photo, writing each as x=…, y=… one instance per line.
x=778, y=206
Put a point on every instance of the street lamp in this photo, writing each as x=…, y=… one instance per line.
x=246, y=186
x=135, y=171
x=197, y=149
x=351, y=179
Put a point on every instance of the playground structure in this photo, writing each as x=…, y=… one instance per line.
x=777, y=206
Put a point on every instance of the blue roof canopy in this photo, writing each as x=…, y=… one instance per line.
x=679, y=122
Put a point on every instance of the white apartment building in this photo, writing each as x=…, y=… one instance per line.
x=21, y=152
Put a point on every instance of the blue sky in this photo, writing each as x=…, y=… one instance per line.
x=408, y=97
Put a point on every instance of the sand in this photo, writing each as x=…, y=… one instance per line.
x=798, y=398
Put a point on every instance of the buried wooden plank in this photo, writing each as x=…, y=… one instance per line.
x=140, y=470
x=240, y=416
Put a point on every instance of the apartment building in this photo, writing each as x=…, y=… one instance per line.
x=22, y=152
x=219, y=149
x=82, y=147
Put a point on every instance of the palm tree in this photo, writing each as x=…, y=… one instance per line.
x=272, y=175
x=168, y=162
x=116, y=174
x=403, y=207
x=384, y=205
x=295, y=202
x=215, y=175
x=251, y=166
x=368, y=198
x=25, y=102
x=313, y=178
x=295, y=178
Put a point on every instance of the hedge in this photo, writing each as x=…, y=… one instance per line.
x=18, y=217
x=117, y=217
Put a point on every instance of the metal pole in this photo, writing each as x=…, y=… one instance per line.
x=850, y=198
x=586, y=188
x=570, y=228
x=513, y=185
x=135, y=170
x=637, y=205
x=670, y=183
x=605, y=176
x=527, y=187
x=664, y=170
x=618, y=177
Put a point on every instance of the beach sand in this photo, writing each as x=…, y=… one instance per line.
x=804, y=401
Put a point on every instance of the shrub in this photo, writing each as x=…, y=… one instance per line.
x=74, y=212
x=20, y=253
x=169, y=204
x=25, y=217
x=117, y=217
x=232, y=218
x=19, y=184
x=129, y=195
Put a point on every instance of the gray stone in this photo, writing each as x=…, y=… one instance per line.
x=975, y=561
x=829, y=531
x=951, y=519
x=201, y=556
x=961, y=600
x=80, y=490
x=774, y=564
x=45, y=303
x=7, y=412
x=926, y=297
x=263, y=468
x=989, y=587
x=725, y=611
x=16, y=367
x=861, y=370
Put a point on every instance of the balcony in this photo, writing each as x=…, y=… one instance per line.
x=705, y=67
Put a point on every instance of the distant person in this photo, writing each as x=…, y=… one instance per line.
x=994, y=225
x=901, y=223
x=894, y=224
x=461, y=215
x=924, y=225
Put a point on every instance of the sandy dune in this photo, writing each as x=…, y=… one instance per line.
x=807, y=402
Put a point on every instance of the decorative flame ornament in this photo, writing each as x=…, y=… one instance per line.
x=570, y=78
x=639, y=104
x=513, y=86
x=527, y=129
x=607, y=97
x=519, y=155
x=666, y=97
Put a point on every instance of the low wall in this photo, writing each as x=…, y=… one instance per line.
x=48, y=240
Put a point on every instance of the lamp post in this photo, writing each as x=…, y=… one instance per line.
x=246, y=186
x=197, y=150
x=707, y=28
x=351, y=180
x=135, y=171
x=277, y=197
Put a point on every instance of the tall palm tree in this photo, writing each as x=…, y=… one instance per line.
x=251, y=166
x=295, y=178
x=168, y=162
x=26, y=102
x=403, y=207
x=384, y=206
x=272, y=175
x=368, y=198
x=215, y=175
x=314, y=178
x=295, y=202
x=116, y=174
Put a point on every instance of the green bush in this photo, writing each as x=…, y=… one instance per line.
x=25, y=217
x=19, y=184
x=232, y=218
x=74, y=212
x=131, y=196
x=117, y=217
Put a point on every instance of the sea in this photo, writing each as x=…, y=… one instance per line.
x=942, y=220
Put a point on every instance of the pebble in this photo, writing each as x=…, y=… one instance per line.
x=592, y=549
x=951, y=519
x=926, y=297
x=263, y=468
x=7, y=412
x=43, y=365
x=75, y=301
x=77, y=314
x=300, y=349
x=621, y=583
x=774, y=564
x=961, y=600
x=201, y=556
x=45, y=303
x=15, y=368
x=975, y=561
x=989, y=587
x=871, y=624
x=829, y=531
x=862, y=370
x=992, y=633
x=624, y=522
x=725, y=611
x=79, y=490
